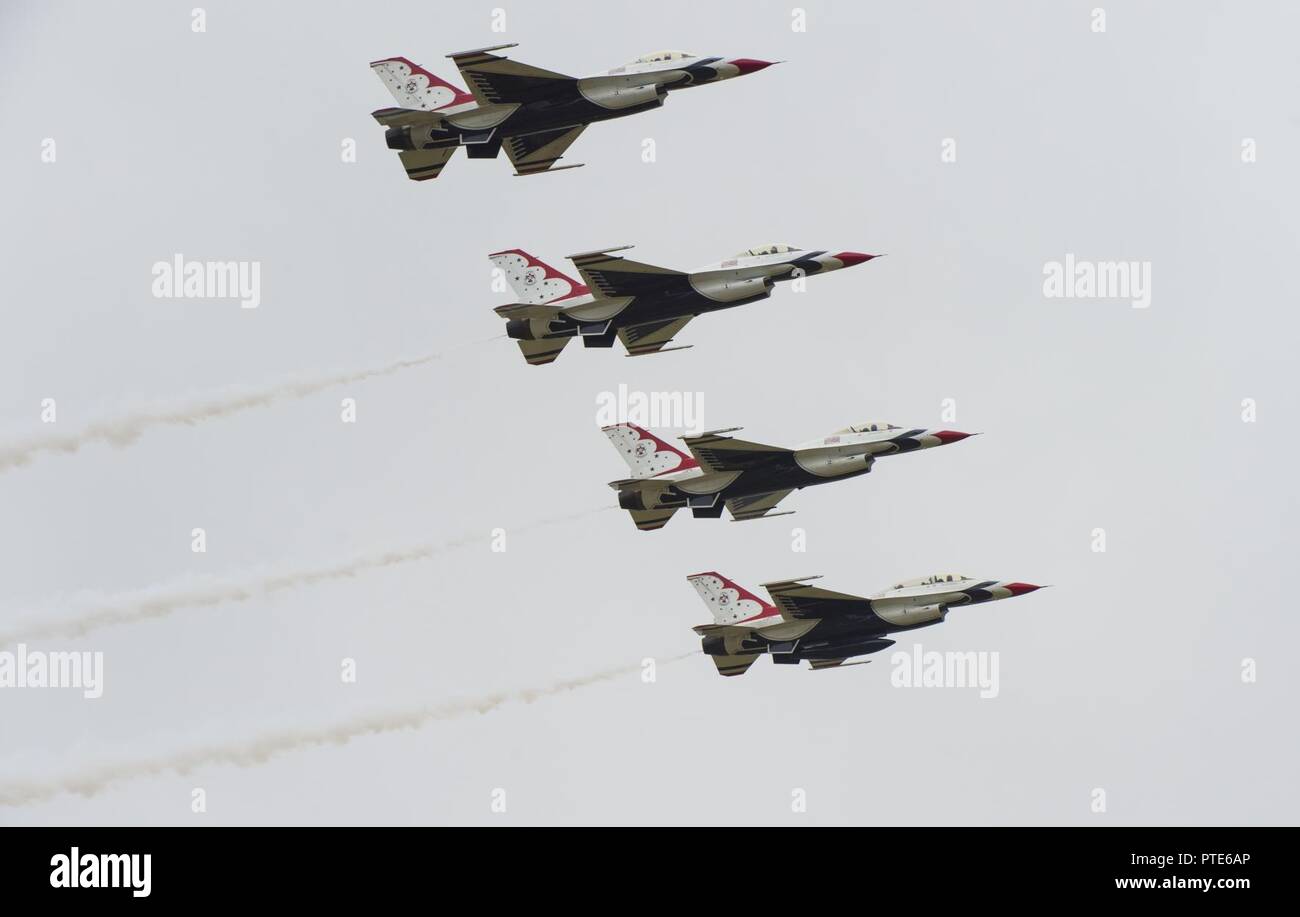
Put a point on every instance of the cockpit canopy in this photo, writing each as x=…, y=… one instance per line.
x=775, y=248
x=935, y=578
x=878, y=427
x=657, y=56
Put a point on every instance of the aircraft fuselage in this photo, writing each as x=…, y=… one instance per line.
x=834, y=458
x=556, y=105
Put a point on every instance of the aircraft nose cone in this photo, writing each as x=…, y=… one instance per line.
x=750, y=65
x=851, y=258
x=950, y=436
x=1020, y=588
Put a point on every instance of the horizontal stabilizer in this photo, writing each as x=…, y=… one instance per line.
x=404, y=117
x=422, y=165
x=538, y=353
x=527, y=310
x=733, y=665
x=647, y=520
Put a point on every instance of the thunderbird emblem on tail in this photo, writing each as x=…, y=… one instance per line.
x=641, y=305
x=533, y=114
x=747, y=479
x=826, y=628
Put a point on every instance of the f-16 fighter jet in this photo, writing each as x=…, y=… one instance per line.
x=533, y=114
x=824, y=627
x=641, y=305
x=748, y=479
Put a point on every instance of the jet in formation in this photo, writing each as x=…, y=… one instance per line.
x=748, y=479
x=531, y=113
x=641, y=305
x=826, y=628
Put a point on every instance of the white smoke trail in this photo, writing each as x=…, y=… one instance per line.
x=256, y=751
x=159, y=601
x=124, y=431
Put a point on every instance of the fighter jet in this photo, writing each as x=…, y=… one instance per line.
x=748, y=479
x=534, y=114
x=642, y=305
x=824, y=627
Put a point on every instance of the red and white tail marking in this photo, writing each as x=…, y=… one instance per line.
x=414, y=87
x=729, y=602
x=646, y=454
x=533, y=281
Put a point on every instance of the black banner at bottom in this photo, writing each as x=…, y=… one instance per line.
x=367, y=864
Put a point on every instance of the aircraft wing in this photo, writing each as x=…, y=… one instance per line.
x=534, y=153
x=651, y=337
x=723, y=453
x=796, y=599
x=816, y=664
x=756, y=506
x=499, y=80
x=613, y=277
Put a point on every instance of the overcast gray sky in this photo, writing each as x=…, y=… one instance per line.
x=1122, y=145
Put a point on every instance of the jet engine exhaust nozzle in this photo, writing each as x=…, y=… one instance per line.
x=399, y=138
x=519, y=329
x=631, y=499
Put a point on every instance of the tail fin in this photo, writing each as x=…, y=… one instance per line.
x=533, y=281
x=730, y=603
x=414, y=87
x=647, y=455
